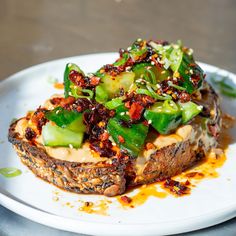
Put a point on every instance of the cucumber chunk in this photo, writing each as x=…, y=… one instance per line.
x=67, y=119
x=55, y=136
x=132, y=138
x=164, y=117
x=111, y=86
x=189, y=110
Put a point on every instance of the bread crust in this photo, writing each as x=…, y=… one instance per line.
x=111, y=177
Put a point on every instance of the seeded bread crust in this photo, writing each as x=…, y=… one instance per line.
x=99, y=178
x=111, y=178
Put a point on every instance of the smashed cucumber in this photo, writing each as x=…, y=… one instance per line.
x=150, y=73
x=164, y=116
x=189, y=110
x=130, y=138
x=71, y=120
x=69, y=88
x=111, y=86
x=55, y=136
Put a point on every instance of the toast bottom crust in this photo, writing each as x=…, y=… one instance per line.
x=113, y=177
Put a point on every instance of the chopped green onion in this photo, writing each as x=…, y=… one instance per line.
x=144, y=91
x=122, y=61
x=224, y=87
x=179, y=43
x=10, y=172
x=153, y=77
x=157, y=96
x=146, y=77
x=90, y=92
x=176, y=86
x=52, y=80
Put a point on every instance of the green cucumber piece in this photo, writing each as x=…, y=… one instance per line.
x=71, y=120
x=55, y=136
x=133, y=136
x=114, y=103
x=189, y=110
x=164, y=117
x=180, y=62
x=69, y=87
x=111, y=85
x=150, y=73
x=101, y=95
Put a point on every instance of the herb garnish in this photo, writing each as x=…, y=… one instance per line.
x=225, y=86
x=10, y=172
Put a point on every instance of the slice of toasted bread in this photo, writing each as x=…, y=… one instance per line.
x=111, y=176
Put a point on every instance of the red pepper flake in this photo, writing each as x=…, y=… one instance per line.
x=121, y=139
x=77, y=78
x=150, y=146
x=94, y=81
x=213, y=129
x=67, y=101
x=127, y=104
x=135, y=111
x=126, y=199
x=29, y=133
x=104, y=136
x=187, y=183
x=56, y=100
x=38, y=119
x=184, y=97
x=58, y=86
x=176, y=187
x=145, y=123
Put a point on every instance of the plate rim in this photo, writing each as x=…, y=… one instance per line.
x=72, y=225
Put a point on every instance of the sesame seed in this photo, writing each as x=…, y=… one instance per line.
x=199, y=107
x=55, y=199
x=149, y=122
x=139, y=40
x=129, y=48
x=190, y=51
x=152, y=63
x=122, y=113
x=71, y=146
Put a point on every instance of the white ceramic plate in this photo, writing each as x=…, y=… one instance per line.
x=211, y=202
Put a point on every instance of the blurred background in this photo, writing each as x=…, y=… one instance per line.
x=35, y=31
